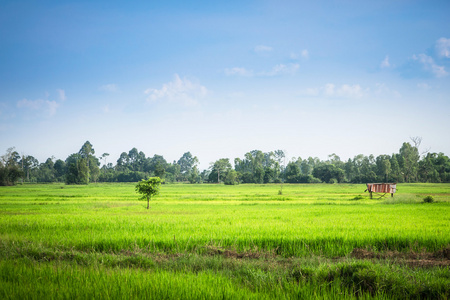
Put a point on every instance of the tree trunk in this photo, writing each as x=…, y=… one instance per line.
x=148, y=202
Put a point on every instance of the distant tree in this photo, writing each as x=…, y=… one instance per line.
x=383, y=163
x=86, y=150
x=231, y=178
x=187, y=162
x=156, y=166
x=87, y=164
x=59, y=167
x=409, y=161
x=292, y=172
x=46, y=171
x=172, y=171
x=123, y=162
x=148, y=188
x=29, y=164
x=104, y=157
x=329, y=173
x=10, y=172
x=77, y=171
x=194, y=177
x=219, y=170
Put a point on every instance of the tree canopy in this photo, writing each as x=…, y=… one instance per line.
x=148, y=188
x=254, y=166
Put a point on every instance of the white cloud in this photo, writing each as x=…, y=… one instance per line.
x=49, y=107
x=423, y=86
x=281, y=69
x=329, y=89
x=305, y=53
x=343, y=91
x=385, y=63
x=109, y=88
x=353, y=91
x=430, y=65
x=179, y=90
x=238, y=71
x=312, y=92
x=263, y=49
x=61, y=94
x=382, y=90
x=443, y=47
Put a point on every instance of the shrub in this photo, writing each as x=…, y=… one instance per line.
x=428, y=199
x=333, y=181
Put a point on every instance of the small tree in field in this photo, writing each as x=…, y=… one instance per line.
x=148, y=188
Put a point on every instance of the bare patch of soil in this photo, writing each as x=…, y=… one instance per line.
x=213, y=250
x=439, y=258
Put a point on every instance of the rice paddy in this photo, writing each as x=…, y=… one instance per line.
x=246, y=241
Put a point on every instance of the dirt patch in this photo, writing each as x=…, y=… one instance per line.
x=229, y=253
x=439, y=258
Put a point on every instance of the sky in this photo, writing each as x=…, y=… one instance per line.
x=222, y=78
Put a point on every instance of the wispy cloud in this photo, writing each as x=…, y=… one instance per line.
x=429, y=65
x=181, y=91
x=109, y=88
x=46, y=106
x=423, y=86
x=385, y=63
x=342, y=91
x=61, y=94
x=304, y=54
x=261, y=49
x=280, y=69
x=43, y=107
x=443, y=47
x=239, y=72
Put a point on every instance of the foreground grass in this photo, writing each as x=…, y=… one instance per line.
x=233, y=242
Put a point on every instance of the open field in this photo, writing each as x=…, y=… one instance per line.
x=215, y=241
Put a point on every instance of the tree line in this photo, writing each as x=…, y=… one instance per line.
x=256, y=166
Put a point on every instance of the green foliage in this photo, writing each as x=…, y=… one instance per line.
x=9, y=167
x=255, y=167
x=148, y=188
x=231, y=178
x=219, y=170
x=194, y=176
x=428, y=199
x=329, y=173
x=187, y=163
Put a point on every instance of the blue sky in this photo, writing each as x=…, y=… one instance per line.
x=219, y=79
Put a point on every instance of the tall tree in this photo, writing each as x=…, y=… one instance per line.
x=10, y=172
x=187, y=162
x=383, y=163
x=219, y=170
x=409, y=161
x=29, y=164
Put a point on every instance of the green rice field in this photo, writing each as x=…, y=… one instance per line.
x=211, y=241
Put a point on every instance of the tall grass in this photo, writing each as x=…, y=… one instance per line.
x=56, y=240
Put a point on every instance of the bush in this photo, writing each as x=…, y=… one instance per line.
x=428, y=199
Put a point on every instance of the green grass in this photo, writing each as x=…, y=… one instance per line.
x=246, y=240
